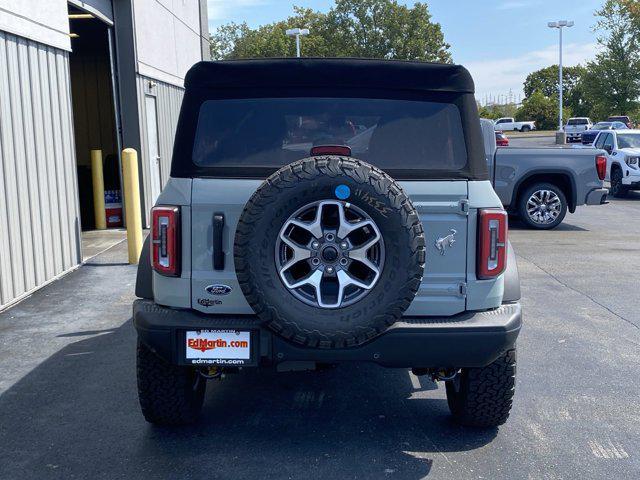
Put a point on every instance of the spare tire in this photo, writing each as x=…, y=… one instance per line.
x=329, y=252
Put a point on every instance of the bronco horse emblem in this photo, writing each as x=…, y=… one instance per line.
x=448, y=241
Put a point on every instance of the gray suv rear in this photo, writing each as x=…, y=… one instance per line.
x=322, y=211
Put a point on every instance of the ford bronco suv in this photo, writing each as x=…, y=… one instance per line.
x=322, y=211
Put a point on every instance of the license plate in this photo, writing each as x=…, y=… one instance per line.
x=218, y=347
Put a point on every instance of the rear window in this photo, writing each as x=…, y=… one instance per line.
x=620, y=119
x=267, y=133
x=578, y=121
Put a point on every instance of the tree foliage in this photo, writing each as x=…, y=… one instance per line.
x=546, y=81
x=351, y=28
x=612, y=81
x=542, y=109
x=498, y=111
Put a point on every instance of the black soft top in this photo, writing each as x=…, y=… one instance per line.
x=328, y=77
x=331, y=72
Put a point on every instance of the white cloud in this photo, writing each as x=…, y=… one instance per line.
x=499, y=76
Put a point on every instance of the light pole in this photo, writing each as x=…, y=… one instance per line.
x=560, y=24
x=297, y=32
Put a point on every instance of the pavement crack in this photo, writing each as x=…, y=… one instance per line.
x=564, y=284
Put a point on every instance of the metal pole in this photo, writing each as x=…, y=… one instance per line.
x=132, y=203
x=97, y=178
x=560, y=123
x=298, y=46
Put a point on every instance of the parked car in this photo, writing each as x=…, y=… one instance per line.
x=622, y=149
x=501, y=139
x=590, y=135
x=575, y=127
x=266, y=256
x=540, y=185
x=510, y=124
x=623, y=118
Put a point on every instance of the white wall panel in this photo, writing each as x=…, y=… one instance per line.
x=39, y=217
x=44, y=21
x=168, y=38
x=168, y=101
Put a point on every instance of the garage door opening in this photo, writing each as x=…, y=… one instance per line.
x=95, y=124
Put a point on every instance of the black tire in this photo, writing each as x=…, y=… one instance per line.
x=618, y=190
x=313, y=179
x=168, y=394
x=523, y=198
x=525, y=128
x=482, y=397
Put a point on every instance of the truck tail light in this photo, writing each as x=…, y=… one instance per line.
x=165, y=240
x=492, y=243
x=601, y=166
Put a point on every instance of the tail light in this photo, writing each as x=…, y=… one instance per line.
x=165, y=240
x=492, y=243
x=601, y=166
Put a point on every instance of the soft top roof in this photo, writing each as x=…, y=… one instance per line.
x=331, y=72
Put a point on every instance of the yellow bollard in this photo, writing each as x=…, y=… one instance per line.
x=98, y=190
x=132, y=203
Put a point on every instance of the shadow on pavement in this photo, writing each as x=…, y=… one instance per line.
x=76, y=415
x=516, y=224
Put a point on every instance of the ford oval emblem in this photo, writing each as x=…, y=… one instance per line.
x=218, y=289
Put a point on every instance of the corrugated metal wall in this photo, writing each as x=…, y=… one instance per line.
x=39, y=219
x=168, y=102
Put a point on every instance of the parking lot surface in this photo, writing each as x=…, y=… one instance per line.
x=68, y=404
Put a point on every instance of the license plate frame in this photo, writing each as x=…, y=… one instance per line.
x=214, y=353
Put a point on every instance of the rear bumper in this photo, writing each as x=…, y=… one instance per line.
x=574, y=136
x=470, y=339
x=597, y=196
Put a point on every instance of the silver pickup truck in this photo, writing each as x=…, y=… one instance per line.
x=540, y=184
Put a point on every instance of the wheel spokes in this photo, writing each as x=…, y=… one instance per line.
x=299, y=253
x=324, y=253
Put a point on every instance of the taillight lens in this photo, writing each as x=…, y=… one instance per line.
x=601, y=166
x=492, y=243
x=165, y=240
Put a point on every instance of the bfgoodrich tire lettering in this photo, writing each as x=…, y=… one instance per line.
x=299, y=184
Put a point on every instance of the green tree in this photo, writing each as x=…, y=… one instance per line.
x=612, y=80
x=351, y=28
x=542, y=109
x=387, y=29
x=632, y=10
x=546, y=82
x=546, y=79
x=498, y=111
x=233, y=40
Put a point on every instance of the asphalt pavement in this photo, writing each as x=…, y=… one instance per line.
x=68, y=404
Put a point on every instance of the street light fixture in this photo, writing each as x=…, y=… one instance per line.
x=560, y=24
x=297, y=32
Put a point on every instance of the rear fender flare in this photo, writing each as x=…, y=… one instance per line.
x=144, y=279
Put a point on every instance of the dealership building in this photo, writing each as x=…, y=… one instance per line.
x=77, y=76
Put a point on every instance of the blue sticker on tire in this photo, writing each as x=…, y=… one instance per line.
x=343, y=192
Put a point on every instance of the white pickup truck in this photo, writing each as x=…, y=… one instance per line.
x=509, y=123
x=575, y=127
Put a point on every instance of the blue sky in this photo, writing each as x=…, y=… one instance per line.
x=500, y=41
